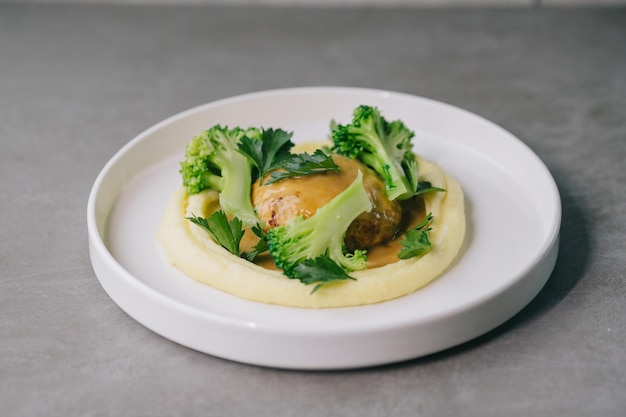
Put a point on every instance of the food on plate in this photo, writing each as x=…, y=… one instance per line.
x=280, y=201
x=353, y=220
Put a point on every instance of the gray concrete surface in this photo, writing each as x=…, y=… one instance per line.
x=78, y=82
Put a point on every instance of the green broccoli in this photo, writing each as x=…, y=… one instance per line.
x=213, y=161
x=322, y=235
x=383, y=146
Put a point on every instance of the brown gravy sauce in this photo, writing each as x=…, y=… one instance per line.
x=413, y=212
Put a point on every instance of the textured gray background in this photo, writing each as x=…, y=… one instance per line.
x=77, y=83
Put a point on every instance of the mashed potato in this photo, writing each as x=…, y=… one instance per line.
x=192, y=250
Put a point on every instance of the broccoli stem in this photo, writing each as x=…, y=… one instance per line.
x=236, y=186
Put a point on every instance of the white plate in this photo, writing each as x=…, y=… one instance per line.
x=513, y=211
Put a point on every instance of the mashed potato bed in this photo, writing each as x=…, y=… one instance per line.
x=191, y=249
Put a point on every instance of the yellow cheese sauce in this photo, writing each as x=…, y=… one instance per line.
x=191, y=249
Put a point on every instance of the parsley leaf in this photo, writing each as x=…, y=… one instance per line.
x=267, y=153
x=411, y=169
x=261, y=246
x=296, y=165
x=416, y=241
x=226, y=233
x=321, y=271
x=424, y=187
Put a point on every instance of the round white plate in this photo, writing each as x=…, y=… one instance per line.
x=513, y=213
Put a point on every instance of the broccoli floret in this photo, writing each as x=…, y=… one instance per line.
x=321, y=234
x=212, y=161
x=383, y=146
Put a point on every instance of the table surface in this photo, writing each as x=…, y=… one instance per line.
x=78, y=82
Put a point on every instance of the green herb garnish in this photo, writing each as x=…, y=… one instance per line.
x=267, y=152
x=424, y=187
x=321, y=271
x=416, y=241
x=411, y=169
x=226, y=233
x=261, y=246
x=301, y=164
